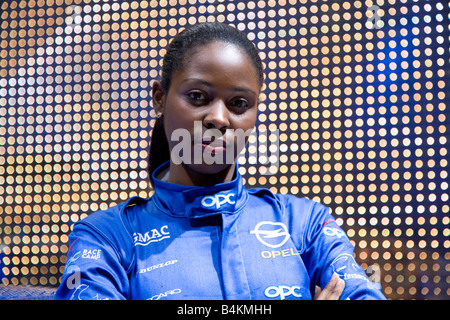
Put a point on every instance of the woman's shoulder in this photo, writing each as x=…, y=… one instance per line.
x=285, y=199
x=105, y=217
x=292, y=206
x=112, y=223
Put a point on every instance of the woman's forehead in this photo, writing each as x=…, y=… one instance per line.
x=220, y=59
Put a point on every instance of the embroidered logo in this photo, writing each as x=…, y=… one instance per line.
x=154, y=235
x=282, y=292
x=271, y=234
x=332, y=231
x=218, y=200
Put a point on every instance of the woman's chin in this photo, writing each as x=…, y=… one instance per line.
x=209, y=168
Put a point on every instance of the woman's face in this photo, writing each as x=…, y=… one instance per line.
x=214, y=100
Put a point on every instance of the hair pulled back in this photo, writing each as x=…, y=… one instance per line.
x=180, y=49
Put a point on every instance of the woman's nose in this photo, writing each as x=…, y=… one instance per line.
x=217, y=116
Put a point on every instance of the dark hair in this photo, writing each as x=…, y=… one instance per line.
x=176, y=56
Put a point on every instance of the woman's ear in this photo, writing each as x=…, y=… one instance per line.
x=158, y=97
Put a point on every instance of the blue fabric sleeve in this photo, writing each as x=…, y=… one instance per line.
x=93, y=268
x=327, y=249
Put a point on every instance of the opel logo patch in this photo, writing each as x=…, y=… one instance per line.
x=271, y=234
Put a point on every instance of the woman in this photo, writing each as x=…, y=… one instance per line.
x=202, y=235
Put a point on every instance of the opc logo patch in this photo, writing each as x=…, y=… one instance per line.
x=271, y=234
x=282, y=292
x=333, y=231
x=218, y=200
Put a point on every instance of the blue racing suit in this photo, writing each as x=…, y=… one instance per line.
x=216, y=242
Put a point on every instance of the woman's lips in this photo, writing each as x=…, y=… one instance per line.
x=215, y=147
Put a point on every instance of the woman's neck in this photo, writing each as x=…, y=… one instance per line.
x=182, y=174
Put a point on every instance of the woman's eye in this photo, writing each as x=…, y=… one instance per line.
x=196, y=96
x=240, y=104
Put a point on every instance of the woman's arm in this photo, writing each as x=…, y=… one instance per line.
x=328, y=252
x=93, y=268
